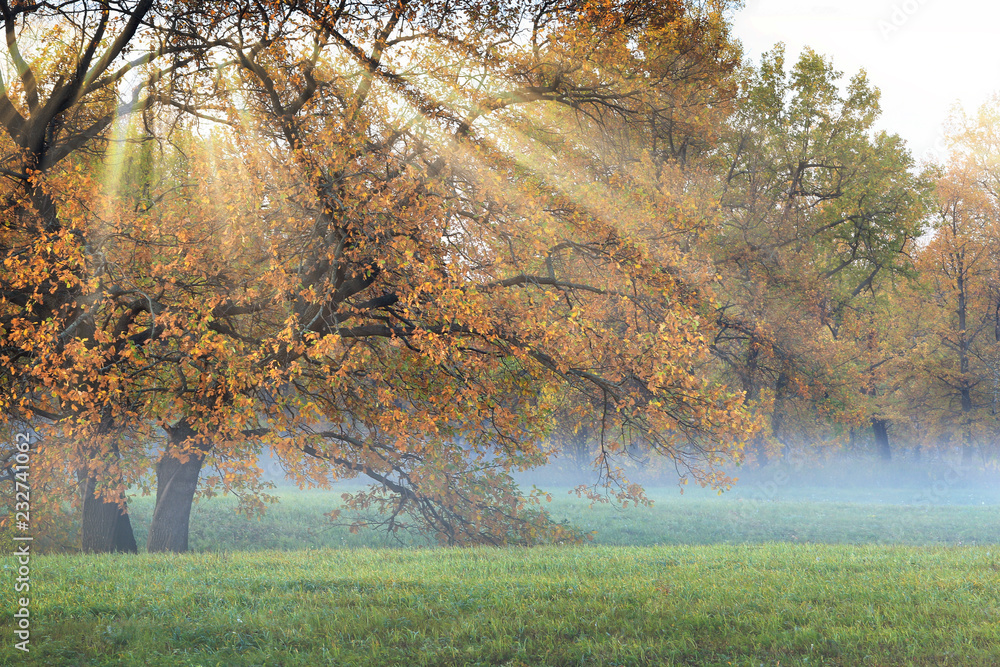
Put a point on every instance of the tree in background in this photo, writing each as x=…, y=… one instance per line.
x=955, y=320
x=820, y=212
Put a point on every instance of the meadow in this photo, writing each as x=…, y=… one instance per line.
x=863, y=578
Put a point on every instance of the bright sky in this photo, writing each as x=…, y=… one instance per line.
x=924, y=55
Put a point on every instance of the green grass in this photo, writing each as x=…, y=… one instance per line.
x=702, y=605
x=696, y=579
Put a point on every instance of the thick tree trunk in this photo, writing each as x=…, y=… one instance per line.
x=105, y=527
x=880, y=427
x=176, y=483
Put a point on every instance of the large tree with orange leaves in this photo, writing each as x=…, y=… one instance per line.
x=385, y=239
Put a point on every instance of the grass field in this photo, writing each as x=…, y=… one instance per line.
x=805, y=579
x=704, y=605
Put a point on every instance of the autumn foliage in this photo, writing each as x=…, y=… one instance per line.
x=394, y=240
x=433, y=244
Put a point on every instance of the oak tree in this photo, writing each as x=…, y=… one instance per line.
x=379, y=238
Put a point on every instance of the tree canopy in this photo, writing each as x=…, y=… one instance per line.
x=374, y=237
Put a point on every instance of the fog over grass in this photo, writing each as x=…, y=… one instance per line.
x=848, y=500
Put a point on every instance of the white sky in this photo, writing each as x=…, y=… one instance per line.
x=924, y=55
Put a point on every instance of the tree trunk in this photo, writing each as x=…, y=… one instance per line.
x=968, y=449
x=778, y=412
x=105, y=528
x=968, y=456
x=758, y=445
x=581, y=449
x=964, y=345
x=880, y=427
x=176, y=483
